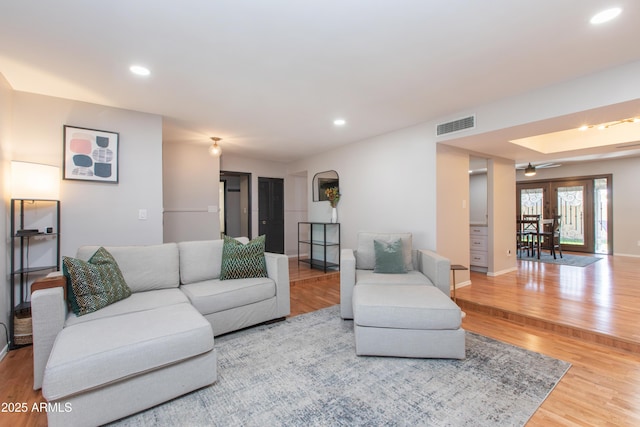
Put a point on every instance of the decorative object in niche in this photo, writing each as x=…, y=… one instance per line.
x=322, y=181
x=333, y=195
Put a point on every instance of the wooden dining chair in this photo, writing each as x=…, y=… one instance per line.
x=550, y=236
x=523, y=244
x=531, y=231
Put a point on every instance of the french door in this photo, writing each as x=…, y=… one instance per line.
x=581, y=205
x=574, y=203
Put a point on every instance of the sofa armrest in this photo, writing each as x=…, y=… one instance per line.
x=278, y=270
x=437, y=268
x=48, y=313
x=56, y=281
x=347, y=282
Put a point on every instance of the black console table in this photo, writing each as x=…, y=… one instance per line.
x=317, y=237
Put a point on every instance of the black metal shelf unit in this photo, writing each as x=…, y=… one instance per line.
x=316, y=236
x=21, y=240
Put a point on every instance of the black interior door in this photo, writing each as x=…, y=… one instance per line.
x=271, y=213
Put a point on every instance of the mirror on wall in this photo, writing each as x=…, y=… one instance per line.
x=322, y=181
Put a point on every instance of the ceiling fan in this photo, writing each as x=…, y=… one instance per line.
x=530, y=170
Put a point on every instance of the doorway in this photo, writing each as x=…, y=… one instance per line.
x=235, y=204
x=271, y=213
x=583, y=205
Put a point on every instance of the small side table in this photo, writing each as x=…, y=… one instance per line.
x=50, y=282
x=454, y=268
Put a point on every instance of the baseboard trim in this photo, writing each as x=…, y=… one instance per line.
x=501, y=272
x=461, y=284
x=629, y=255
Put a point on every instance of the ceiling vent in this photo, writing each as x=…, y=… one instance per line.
x=456, y=125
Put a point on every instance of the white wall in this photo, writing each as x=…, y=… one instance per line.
x=94, y=213
x=257, y=168
x=296, y=197
x=478, y=199
x=5, y=155
x=388, y=183
x=31, y=129
x=501, y=190
x=609, y=87
x=190, y=186
x=453, y=207
x=626, y=203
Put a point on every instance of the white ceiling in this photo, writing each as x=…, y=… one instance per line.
x=269, y=77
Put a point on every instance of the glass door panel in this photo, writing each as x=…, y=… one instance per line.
x=532, y=199
x=574, y=204
x=571, y=208
x=601, y=214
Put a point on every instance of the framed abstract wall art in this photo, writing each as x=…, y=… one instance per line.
x=90, y=154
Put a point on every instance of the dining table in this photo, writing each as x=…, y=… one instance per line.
x=535, y=230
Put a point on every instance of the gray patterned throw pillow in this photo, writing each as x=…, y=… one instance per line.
x=94, y=284
x=243, y=261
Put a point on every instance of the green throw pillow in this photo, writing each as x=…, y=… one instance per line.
x=389, y=257
x=94, y=284
x=243, y=261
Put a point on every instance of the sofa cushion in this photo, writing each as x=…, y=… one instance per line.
x=404, y=307
x=200, y=260
x=144, y=268
x=365, y=251
x=213, y=296
x=368, y=277
x=95, y=283
x=241, y=261
x=91, y=354
x=389, y=258
x=138, y=301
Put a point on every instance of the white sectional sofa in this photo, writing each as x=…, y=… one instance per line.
x=156, y=344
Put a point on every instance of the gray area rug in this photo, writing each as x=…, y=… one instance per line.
x=304, y=372
x=567, y=259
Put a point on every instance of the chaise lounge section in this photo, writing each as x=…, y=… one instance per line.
x=407, y=313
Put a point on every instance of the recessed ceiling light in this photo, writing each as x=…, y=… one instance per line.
x=339, y=122
x=139, y=70
x=605, y=15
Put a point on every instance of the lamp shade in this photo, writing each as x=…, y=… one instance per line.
x=33, y=181
x=530, y=170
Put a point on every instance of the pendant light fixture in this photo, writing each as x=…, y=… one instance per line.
x=215, y=149
x=530, y=170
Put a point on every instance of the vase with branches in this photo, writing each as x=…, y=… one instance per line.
x=333, y=195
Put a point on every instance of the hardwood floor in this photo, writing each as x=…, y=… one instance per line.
x=598, y=303
x=555, y=310
x=311, y=289
x=587, y=316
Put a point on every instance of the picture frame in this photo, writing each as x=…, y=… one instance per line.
x=91, y=155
